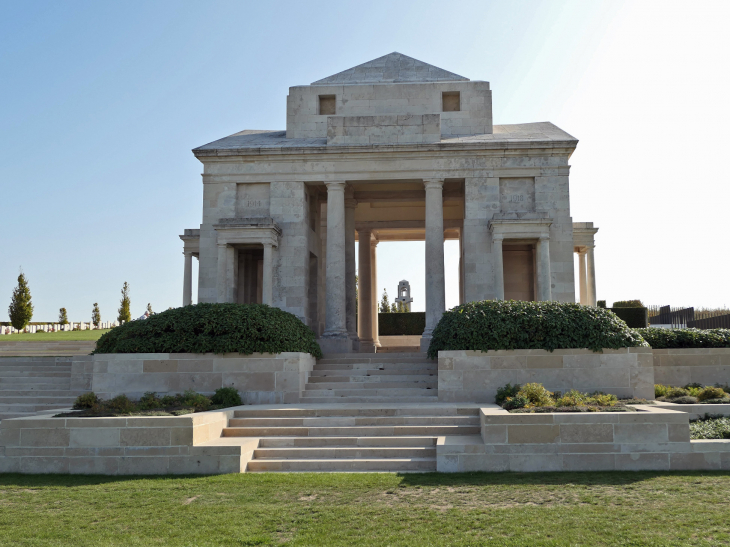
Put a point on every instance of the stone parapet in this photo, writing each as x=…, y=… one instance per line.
x=474, y=376
x=260, y=378
x=650, y=439
x=149, y=445
x=679, y=367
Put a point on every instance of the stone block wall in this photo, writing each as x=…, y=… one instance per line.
x=151, y=445
x=384, y=129
x=474, y=376
x=260, y=378
x=303, y=120
x=679, y=367
x=651, y=439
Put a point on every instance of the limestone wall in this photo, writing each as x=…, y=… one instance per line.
x=474, y=376
x=392, y=128
x=151, y=445
x=260, y=378
x=652, y=439
x=679, y=367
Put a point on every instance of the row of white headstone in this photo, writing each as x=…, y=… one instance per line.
x=55, y=327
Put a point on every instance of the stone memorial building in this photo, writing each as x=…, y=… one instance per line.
x=391, y=150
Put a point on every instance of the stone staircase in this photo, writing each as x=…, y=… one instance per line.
x=350, y=437
x=373, y=378
x=29, y=385
x=49, y=348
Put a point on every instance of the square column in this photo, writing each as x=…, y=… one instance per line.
x=435, y=283
x=544, y=279
x=590, y=277
x=498, y=267
x=268, y=276
x=350, y=306
x=582, y=277
x=335, y=338
x=227, y=273
x=188, y=279
x=375, y=304
x=365, y=293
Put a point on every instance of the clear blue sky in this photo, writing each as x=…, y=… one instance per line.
x=101, y=103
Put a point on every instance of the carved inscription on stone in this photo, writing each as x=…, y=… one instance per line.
x=517, y=195
x=252, y=200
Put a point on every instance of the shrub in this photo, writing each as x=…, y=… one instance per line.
x=673, y=392
x=506, y=391
x=150, y=401
x=604, y=399
x=685, y=400
x=494, y=324
x=711, y=427
x=120, y=404
x=711, y=393
x=87, y=400
x=536, y=394
x=213, y=328
x=518, y=401
x=628, y=304
x=685, y=338
x=226, y=396
x=635, y=318
x=601, y=303
x=660, y=390
x=573, y=398
x=196, y=400
x=407, y=323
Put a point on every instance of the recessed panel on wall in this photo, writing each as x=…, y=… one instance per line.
x=252, y=200
x=517, y=195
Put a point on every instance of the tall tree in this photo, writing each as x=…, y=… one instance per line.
x=124, y=305
x=62, y=317
x=21, y=307
x=385, y=303
x=96, y=315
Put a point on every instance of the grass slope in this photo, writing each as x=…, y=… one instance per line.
x=546, y=509
x=73, y=336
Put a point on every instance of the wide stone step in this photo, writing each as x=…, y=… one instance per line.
x=376, y=366
x=15, y=380
x=379, y=391
x=374, y=378
x=356, y=431
x=403, y=465
x=37, y=398
x=34, y=374
x=34, y=389
x=384, y=399
x=346, y=453
x=338, y=421
x=314, y=442
x=371, y=372
x=33, y=408
x=426, y=383
x=339, y=410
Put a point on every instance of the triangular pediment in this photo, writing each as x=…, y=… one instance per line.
x=392, y=68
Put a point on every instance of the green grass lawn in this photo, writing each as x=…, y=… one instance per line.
x=48, y=336
x=572, y=509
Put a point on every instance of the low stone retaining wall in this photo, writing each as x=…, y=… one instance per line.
x=679, y=367
x=474, y=376
x=260, y=378
x=696, y=411
x=652, y=439
x=150, y=445
x=48, y=348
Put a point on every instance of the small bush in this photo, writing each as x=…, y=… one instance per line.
x=195, y=400
x=604, y=399
x=660, y=390
x=494, y=324
x=87, y=400
x=226, y=396
x=674, y=392
x=150, y=401
x=710, y=393
x=711, y=427
x=518, y=401
x=121, y=404
x=684, y=400
x=628, y=304
x=536, y=394
x=572, y=398
x=213, y=328
x=506, y=391
x=685, y=338
x=635, y=318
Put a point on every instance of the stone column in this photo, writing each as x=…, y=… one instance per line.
x=365, y=293
x=375, y=304
x=336, y=315
x=543, y=269
x=268, y=277
x=498, y=260
x=222, y=271
x=582, y=277
x=591, y=277
x=350, y=306
x=435, y=284
x=188, y=279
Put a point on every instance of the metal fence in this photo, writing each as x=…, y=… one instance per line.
x=680, y=318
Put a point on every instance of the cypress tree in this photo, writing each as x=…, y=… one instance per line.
x=96, y=315
x=385, y=303
x=21, y=307
x=62, y=317
x=124, y=313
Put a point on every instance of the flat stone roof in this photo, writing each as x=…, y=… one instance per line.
x=504, y=136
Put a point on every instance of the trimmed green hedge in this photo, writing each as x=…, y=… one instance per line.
x=635, y=318
x=394, y=324
x=495, y=324
x=213, y=328
x=686, y=338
